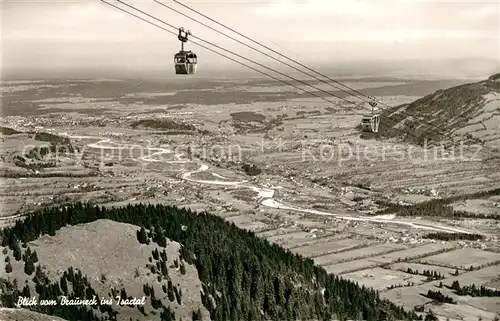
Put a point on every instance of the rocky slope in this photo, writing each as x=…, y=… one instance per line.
x=7, y=314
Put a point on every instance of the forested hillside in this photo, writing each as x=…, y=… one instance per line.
x=244, y=277
x=469, y=112
x=9, y=314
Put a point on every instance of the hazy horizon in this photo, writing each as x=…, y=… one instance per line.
x=383, y=69
x=392, y=38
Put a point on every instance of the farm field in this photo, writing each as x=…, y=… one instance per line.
x=464, y=258
x=466, y=307
x=356, y=254
x=330, y=245
x=382, y=279
x=421, y=267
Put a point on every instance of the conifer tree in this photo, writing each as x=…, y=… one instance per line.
x=17, y=252
x=178, y=295
x=34, y=257
x=26, y=291
x=142, y=236
x=170, y=290
x=156, y=255
x=164, y=255
x=64, y=285
x=146, y=289
x=29, y=267
x=8, y=267
x=163, y=268
x=27, y=255
x=196, y=315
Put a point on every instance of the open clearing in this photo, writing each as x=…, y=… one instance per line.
x=381, y=279
x=423, y=267
x=386, y=259
x=361, y=253
x=469, y=308
x=294, y=239
x=490, y=206
x=336, y=245
x=104, y=245
x=463, y=258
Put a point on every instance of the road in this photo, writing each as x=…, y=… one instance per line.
x=265, y=195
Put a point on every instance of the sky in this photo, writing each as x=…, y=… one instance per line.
x=447, y=37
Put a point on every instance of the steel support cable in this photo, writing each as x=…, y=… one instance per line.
x=258, y=50
x=268, y=55
x=270, y=49
x=232, y=59
x=227, y=57
x=432, y=127
x=240, y=56
x=264, y=66
x=364, y=97
x=221, y=54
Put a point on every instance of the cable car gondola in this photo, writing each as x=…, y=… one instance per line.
x=185, y=61
x=370, y=123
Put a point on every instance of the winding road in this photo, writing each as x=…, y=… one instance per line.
x=265, y=195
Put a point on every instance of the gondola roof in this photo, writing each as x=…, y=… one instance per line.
x=189, y=54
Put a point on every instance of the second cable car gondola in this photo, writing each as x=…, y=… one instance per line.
x=371, y=122
x=185, y=61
